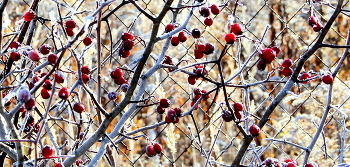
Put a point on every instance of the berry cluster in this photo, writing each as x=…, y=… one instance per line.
x=203, y=49
x=286, y=67
x=153, y=150
x=118, y=77
x=181, y=37
x=168, y=60
x=315, y=23
x=85, y=70
x=199, y=70
x=126, y=45
x=267, y=55
x=238, y=112
x=205, y=12
x=30, y=124
x=198, y=93
x=70, y=25
x=173, y=115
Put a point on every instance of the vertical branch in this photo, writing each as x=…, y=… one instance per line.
x=98, y=31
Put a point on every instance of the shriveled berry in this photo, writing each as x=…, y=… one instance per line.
x=45, y=49
x=85, y=70
x=287, y=71
x=175, y=41
x=287, y=63
x=29, y=15
x=237, y=29
x=63, y=93
x=204, y=11
x=30, y=120
x=327, y=79
x=277, y=50
x=34, y=55
x=254, y=130
x=157, y=148
x=45, y=94
x=169, y=27
x=167, y=60
x=208, y=21
x=182, y=36
x=113, y=95
x=214, y=9
x=47, y=151
x=230, y=38
x=196, y=33
x=79, y=107
x=87, y=41
x=70, y=24
x=150, y=151
x=52, y=58
x=124, y=87
x=15, y=56
x=165, y=103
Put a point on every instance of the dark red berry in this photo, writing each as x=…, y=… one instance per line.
x=226, y=116
x=117, y=73
x=85, y=70
x=175, y=41
x=15, y=45
x=254, y=130
x=112, y=95
x=287, y=71
x=182, y=36
x=317, y=27
x=209, y=48
x=124, y=53
x=172, y=114
x=198, y=54
x=261, y=65
x=287, y=63
x=214, y=9
x=52, y=58
x=311, y=164
x=15, y=56
x=87, y=41
x=47, y=151
x=34, y=55
x=290, y=161
x=327, y=79
x=81, y=135
x=45, y=49
x=128, y=44
x=200, y=47
x=59, y=77
x=237, y=106
x=78, y=107
x=150, y=151
x=204, y=11
x=165, y=103
x=230, y=38
x=160, y=109
x=304, y=76
x=206, y=97
x=192, y=79
x=208, y=21
x=167, y=60
x=238, y=114
x=268, y=55
x=29, y=15
x=192, y=104
x=169, y=27
x=63, y=93
x=157, y=148
x=120, y=81
x=312, y=21
x=30, y=120
x=79, y=162
x=45, y=94
x=127, y=36
x=70, y=32
x=237, y=29
x=178, y=112
x=290, y=164
x=70, y=24
x=85, y=78
x=58, y=164
x=30, y=104
x=196, y=33
x=168, y=120
x=277, y=50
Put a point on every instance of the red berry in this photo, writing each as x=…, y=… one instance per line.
x=63, y=93
x=238, y=106
x=291, y=164
x=120, y=81
x=124, y=87
x=30, y=120
x=157, y=148
x=81, y=135
x=87, y=41
x=226, y=116
x=304, y=76
x=150, y=151
x=128, y=44
x=206, y=97
x=165, y=103
x=287, y=63
x=45, y=94
x=15, y=56
x=287, y=71
x=47, y=84
x=254, y=130
x=59, y=77
x=197, y=91
x=113, y=95
x=209, y=48
x=167, y=60
x=214, y=9
x=204, y=11
x=237, y=29
x=124, y=53
x=29, y=15
x=312, y=21
x=208, y=21
x=311, y=164
x=85, y=70
x=34, y=55
x=196, y=33
x=268, y=55
x=200, y=47
x=198, y=54
x=277, y=50
x=47, y=151
x=79, y=162
x=160, y=109
x=52, y=58
x=15, y=45
x=22, y=110
x=45, y=49
x=290, y=160
x=192, y=79
x=175, y=41
x=85, y=78
x=238, y=114
x=78, y=107
x=168, y=120
x=182, y=36
x=126, y=36
x=172, y=114
x=169, y=27
x=178, y=112
x=317, y=27
x=327, y=79
x=201, y=71
x=58, y=164
x=70, y=32
x=261, y=65
x=70, y=24
x=230, y=38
